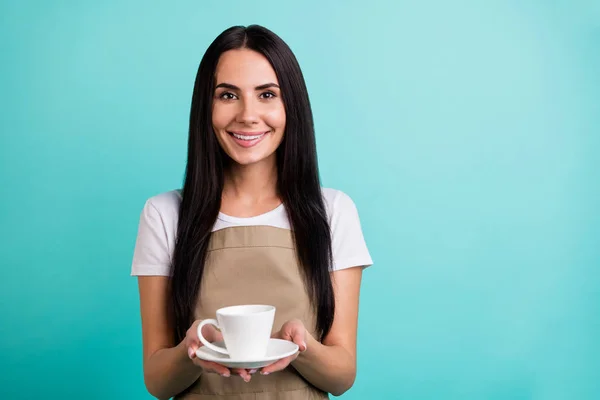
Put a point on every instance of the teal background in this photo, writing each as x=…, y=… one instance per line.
x=466, y=132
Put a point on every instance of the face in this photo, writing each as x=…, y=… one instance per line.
x=248, y=115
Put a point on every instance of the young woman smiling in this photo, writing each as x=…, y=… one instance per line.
x=251, y=225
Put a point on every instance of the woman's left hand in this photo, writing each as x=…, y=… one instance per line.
x=294, y=331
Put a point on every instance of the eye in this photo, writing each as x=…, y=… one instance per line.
x=227, y=96
x=267, y=95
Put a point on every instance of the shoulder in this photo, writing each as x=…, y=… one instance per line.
x=349, y=247
x=337, y=203
x=164, y=205
x=161, y=213
x=166, y=202
x=157, y=229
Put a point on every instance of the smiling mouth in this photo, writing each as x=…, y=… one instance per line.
x=248, y=136
x=248, y=140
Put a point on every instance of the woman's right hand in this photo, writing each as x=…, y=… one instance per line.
x=192, y=343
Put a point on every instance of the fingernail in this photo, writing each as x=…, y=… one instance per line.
x=246, y=379
x=305, y=346
x=190, y=352
x=265, y=373
x=225, y=375
x=253, y=371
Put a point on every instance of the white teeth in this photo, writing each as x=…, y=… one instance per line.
x=244, y=137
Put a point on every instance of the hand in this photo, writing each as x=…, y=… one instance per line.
x=210, y=333
x=294, y=331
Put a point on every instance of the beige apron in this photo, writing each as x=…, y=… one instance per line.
x=254, y=265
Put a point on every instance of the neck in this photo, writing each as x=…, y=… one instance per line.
x=252, y=183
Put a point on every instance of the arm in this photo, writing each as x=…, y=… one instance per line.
x=168, y=367
x=331, y=365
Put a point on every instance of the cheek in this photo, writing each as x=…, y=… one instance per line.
x=276, y=118
x=220, y=117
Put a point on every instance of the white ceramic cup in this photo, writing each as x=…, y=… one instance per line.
x=246, y=331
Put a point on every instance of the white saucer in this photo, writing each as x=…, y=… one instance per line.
x=276, y=350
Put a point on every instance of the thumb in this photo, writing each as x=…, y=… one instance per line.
x=300, y=340
x=192, y=341
x=297, y=334
x=192, y=351
x=192, y=345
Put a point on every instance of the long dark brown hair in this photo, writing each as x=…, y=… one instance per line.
x=298, y=180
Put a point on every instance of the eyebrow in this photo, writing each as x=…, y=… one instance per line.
x=260, y=87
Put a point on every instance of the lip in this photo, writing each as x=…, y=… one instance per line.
x=248, y=143
x=244, y=133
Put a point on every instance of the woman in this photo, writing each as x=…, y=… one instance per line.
x=253, y=226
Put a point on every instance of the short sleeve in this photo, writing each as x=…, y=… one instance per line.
x=348, y=243
x=151, y=254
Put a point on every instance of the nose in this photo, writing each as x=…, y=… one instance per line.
x=248, y=113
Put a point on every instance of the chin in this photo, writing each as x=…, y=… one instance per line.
x=249, y=159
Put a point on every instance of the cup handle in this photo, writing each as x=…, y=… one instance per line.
x=205, y=342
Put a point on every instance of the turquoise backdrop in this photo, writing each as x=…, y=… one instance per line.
x=467, y=133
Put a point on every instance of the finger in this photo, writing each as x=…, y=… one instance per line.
x=296, y=331
x=303, y=346
x=193, y=345
x=212, y=367
x=210, y=333
x=287, y=334
x=297, y=337
x=243, y=373
x=192, y=352
x=192, y=334
x=278, y=365
x=299, y=340
x=215, y=335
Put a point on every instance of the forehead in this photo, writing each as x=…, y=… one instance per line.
x=244, y=67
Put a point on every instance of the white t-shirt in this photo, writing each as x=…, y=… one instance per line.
x=158, y=229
